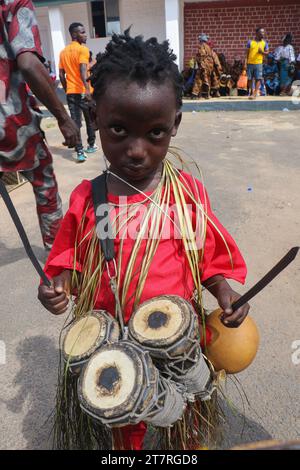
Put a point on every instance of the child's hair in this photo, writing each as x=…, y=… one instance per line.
x=133, y=59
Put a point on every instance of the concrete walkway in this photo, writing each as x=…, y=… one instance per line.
x=240, y=103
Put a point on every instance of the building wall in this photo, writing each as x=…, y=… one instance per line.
x=81, y=12
x=231, y=23
x=78, y=12
x=44, y=28
x=146, y=17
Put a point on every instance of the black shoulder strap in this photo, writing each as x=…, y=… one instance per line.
x=103, y=226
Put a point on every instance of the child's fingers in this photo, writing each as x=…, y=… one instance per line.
x=236, y=318
x=47, y=293
x=53, y=301
x=61, y=283
x=60, y=308
x=57, y=308
x=233, y=320
x=59, y=311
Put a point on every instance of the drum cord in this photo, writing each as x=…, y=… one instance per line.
x=169, y=406
x=169, y=403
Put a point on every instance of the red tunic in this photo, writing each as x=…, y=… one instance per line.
x=169, y=271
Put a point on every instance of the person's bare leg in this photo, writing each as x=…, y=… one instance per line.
x=256, y=91
x=249, y=87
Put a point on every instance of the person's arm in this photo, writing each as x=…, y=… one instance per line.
x=56, y=298
x=28, y=55
x=41, y=85
x=83, y=75
x=265, y=50
x=292, y=55
x=62, y=78
x=247, y=54
x=221, y=260
x=264, y=53
x=225, y=295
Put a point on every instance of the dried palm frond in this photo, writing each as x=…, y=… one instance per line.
x=199, y=427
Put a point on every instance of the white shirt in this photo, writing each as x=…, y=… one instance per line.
x=298, y=58
x=285, y=52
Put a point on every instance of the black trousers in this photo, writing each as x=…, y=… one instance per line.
x=78, y=105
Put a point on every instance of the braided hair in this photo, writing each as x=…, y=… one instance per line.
x=133, y=59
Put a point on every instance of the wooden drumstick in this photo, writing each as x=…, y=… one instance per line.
x=280, y=266
x=233, y=349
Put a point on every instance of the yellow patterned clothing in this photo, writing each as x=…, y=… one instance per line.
x=254, y=56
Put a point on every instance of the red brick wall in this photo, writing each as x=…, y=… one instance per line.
x=231, y=23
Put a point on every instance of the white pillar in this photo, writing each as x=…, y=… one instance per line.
x=57, y=29
x=173, y=27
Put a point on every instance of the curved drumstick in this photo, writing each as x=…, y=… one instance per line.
x=280, y=266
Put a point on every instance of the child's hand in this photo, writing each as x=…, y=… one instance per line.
x=226, y=297
x=56, y=298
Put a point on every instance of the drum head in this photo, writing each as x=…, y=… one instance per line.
x=160, y=321
x=112, y=382
x=87, y=334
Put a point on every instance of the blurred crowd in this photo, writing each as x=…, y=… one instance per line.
x=210, y=75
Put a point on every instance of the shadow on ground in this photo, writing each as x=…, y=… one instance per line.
x=237, y=430
x=241, y=430
x=64, y=152
x=12, y=255
x=35, y=383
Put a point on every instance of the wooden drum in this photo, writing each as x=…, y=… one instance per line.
x=86, y=335
x=167, y=326
x=120, y=386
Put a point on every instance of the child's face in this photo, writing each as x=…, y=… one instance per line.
x=136, y=124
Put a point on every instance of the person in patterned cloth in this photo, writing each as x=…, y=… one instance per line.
x=22, y=146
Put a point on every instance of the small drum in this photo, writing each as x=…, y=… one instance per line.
x=167, y=326
x=120, y=386
x=86, y=335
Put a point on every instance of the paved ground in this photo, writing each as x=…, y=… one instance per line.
x=252, y=171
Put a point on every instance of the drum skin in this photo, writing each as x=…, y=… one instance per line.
x=166, y=325
x=114, y=380
x=86, y=335
x=231, y=349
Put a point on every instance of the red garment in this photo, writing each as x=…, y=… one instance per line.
x=169, y=272
x=19, y=122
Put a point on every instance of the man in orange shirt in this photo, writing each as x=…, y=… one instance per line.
x=73, y=65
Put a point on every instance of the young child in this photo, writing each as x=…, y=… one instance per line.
x=242, y=84
x=138, y=94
